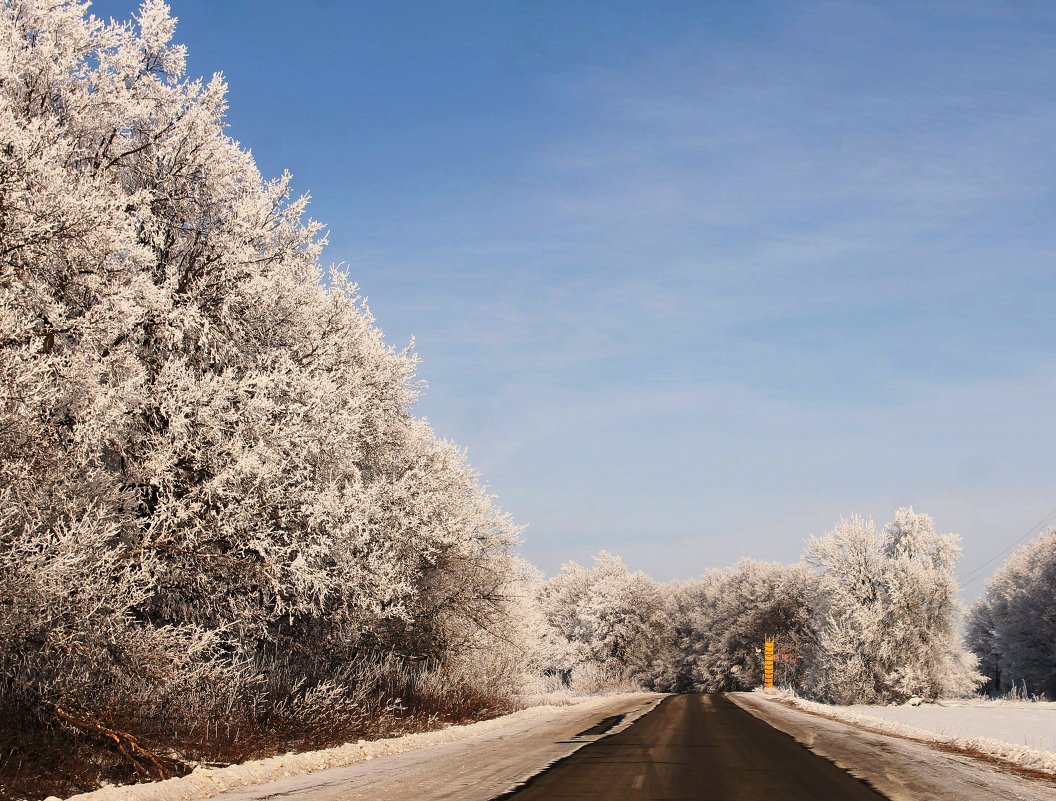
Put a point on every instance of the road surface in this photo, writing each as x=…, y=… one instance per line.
x=698, y=747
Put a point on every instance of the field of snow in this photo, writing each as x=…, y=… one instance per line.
x=1031, y=724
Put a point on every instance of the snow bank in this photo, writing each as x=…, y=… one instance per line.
x=1031, y=724
x=991, y=728
x=207, y=782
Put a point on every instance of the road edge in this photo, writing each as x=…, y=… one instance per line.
x=583, y=740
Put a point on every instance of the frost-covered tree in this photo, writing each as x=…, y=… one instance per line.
x=887, y=613
x=209, y=464
x=624, y=621
x=1012, y=628
x=723, y=619
x=562, y=640
x=607, y=625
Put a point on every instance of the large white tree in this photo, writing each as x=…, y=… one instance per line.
x=209, y=461
x=887, y=613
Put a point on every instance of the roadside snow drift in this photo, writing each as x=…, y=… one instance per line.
x=1021, y=723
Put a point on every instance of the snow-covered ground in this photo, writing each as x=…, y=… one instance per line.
x=474, y=762
x=1031, y=724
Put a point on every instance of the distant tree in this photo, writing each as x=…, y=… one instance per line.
x=981, y=637
x=625, y=622
x=608, y=623
x=887, y=613
x=723, y=618
x=1012, y=628
x=563, y=641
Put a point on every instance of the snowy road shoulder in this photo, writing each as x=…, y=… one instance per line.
x=470, y=762
x=1030, y=724
x=903, y=763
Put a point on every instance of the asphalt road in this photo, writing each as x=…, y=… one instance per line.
x=698, y=747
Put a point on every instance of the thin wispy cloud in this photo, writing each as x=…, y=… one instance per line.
x=702, y=273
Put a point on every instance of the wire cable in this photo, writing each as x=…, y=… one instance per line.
x=978, y=572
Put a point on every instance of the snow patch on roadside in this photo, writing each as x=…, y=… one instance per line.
x=1023, y=756
x=204, y=782
x=1027, y=723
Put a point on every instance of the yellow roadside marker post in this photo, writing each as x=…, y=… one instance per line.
x=768, y=662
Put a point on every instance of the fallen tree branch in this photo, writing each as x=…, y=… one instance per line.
x=126, y=743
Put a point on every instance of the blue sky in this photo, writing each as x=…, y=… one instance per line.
x=690, y=281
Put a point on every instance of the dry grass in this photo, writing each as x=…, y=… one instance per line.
x=42, y=753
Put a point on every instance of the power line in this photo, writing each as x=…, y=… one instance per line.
x=977, y=573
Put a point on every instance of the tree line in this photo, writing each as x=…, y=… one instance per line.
x=870, y=616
